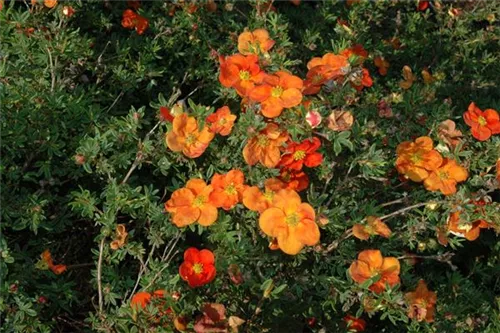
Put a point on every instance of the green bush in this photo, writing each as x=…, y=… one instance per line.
x=86, y=169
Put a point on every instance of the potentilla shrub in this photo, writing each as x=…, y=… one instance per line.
x=286, y=166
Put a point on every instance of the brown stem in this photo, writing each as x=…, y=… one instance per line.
x=444, y=257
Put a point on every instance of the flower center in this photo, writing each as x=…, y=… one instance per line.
x=222, y=121
x=277, y=91
x=199, y=201
x=268, y=195
x=299, y=154
x=198, y=268
x=482, y=121
x=190, y=139
x=464, y=226
x=244, y=75
x=317, y=79
x=292, y=220
x=230, y=189
x=415, y=158
x=262, y=140
x=443, y=175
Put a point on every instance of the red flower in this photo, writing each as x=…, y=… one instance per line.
x=295, y=180
x=298, y=154
x=355, y=324
x=131, y=20
x=364, y=81
x=422, y=5
x=198, y=267
x=483, y=124
x=165, y=114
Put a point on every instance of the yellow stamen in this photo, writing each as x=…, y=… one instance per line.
x=299, y=154
x=262, y=140
x=198, y=268
x=292, y=220
x=190, y=139
x=199, y=201
x=482, y=121
x=230, y=189
x=244, y=75
x=268, y=195
x=277, y=91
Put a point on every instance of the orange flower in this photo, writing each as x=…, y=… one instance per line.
x=336, y=63
x=254, y=42
x=469, y=231
x=121, y=236
x=483, y=124
x=446, y=177
x=409, y=78
x=255, y=200
x=374, y=226
x=222, y=121
x=417, y=159
x=240, y=72
x=290, y=221
x=192, y=204
x=381, y=64
x=265, y=146
x=355, y=324
x=371, y=263
x=279, y=91
x=319, y=75
x=304, y=153
x=198, y=267
x=228, y=189
x=140, y=300
x=56, y=269
x=364, y=81
x=295, y=180
x=357, y=50
x=186, y=137
x=50, y=3
x=422, y=303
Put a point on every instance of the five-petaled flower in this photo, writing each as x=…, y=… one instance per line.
x=255, y=42
x=462, y=228
x=132, y=20
x=47, y=259
x=290, y=221
x=278, y=91
x=421, y=303
x=227, y=189
x=416, y=160
x=142, y=298
x=256, y=200
x=483, y=124
x=198, y=267
x=295, y=180
x=297, y=154
x=265, y=146
x=186, y=137
x=241, y=73
x=373, y=226
x=370, y=264
x=446, y=177
x=222, y=121
x=192, y=204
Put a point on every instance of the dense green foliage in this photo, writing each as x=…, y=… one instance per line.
x=83, y=150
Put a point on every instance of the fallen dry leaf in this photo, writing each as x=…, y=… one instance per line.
x=340, y=121
x=449, y=134
x=409, y=78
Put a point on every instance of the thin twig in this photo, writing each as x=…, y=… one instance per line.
x=88, y=264
x=169, y=257
x=142, y=270
x=393, y=202
x=115, y=101
x=99, y=274
x=405, y=209
x=335, y=244
x=445, y=258
x=52, y=72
